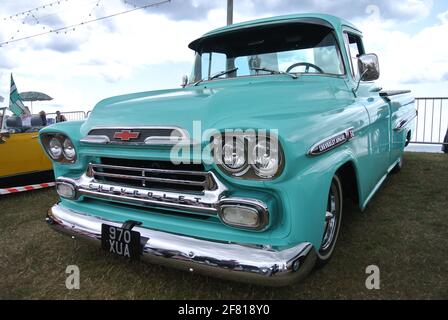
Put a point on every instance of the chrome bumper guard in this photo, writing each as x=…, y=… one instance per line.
x=248, y=263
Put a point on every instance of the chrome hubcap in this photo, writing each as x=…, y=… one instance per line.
x=330, y=222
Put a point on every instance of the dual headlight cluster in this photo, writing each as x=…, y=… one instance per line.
x=59, y=147
x=249, y=155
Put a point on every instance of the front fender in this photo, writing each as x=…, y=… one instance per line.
x=306, y=194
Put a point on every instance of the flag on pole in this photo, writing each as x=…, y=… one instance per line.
x=15, y=103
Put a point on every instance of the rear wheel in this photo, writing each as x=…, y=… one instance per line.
x=333, y=218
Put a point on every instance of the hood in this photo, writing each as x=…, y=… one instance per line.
x=266, y=102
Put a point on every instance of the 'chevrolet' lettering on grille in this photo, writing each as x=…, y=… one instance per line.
x=149, y=195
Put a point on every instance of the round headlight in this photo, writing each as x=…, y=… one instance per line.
x=69, y=150
x=55, y=148
x=234, y=155
x=266, y=159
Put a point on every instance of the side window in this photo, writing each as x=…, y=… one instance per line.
x=213, y=63
x=355, y=49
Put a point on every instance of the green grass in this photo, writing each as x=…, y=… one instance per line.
x=403, y=231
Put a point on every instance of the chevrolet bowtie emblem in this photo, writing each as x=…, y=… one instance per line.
x=126, y=135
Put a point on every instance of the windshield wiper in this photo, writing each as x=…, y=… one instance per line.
x=272, y=71
x=217, y=75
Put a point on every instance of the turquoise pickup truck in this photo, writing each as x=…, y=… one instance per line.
x=244, y=171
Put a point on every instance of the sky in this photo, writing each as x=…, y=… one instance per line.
x=148, y=49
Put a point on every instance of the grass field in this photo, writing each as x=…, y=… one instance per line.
x=403, y=232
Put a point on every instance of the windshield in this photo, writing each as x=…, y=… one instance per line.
x=283, y=48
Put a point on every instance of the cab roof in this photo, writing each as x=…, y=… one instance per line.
x=327, y=20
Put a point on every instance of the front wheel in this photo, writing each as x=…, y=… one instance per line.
x=333, y=218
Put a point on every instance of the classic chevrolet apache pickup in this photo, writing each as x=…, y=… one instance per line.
x=242, y=173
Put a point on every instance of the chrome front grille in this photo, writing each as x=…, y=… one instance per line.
x=156, y=175
x=151, y=184
x=184, y=189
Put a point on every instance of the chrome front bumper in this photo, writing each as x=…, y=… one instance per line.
x=239, y=262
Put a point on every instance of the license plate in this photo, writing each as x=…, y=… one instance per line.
x=122, y=242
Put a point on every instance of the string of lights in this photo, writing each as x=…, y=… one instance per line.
x=73, y=26
x=35, y=9
x=96, y=6
x=41, y=18
x=33, y=17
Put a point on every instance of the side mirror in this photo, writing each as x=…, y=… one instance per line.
x=369, y=67
x=184, y=81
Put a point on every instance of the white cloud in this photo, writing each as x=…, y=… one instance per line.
x=411, y=9
x=403, y=10
x=408, y=58
x=145, y=51
x=59, y=63
x=443, y=17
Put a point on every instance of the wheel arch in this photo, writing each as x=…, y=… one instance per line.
x=348, y=175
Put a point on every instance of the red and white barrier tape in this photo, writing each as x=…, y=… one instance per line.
x=27, y=188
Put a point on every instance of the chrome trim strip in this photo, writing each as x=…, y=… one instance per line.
x=374, y=191
x=332, y=142
x=379, y=184
x=256, y=264
x=153, y=179
x=159, y=140
x=184, y=137
x=182, y=172
x=94, y=139
x=181, y=130
x=390, y=93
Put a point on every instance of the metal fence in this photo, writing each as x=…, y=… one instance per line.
x=432, y=121
x=70, y=116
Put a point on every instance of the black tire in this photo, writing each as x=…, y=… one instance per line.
x=332, y=222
